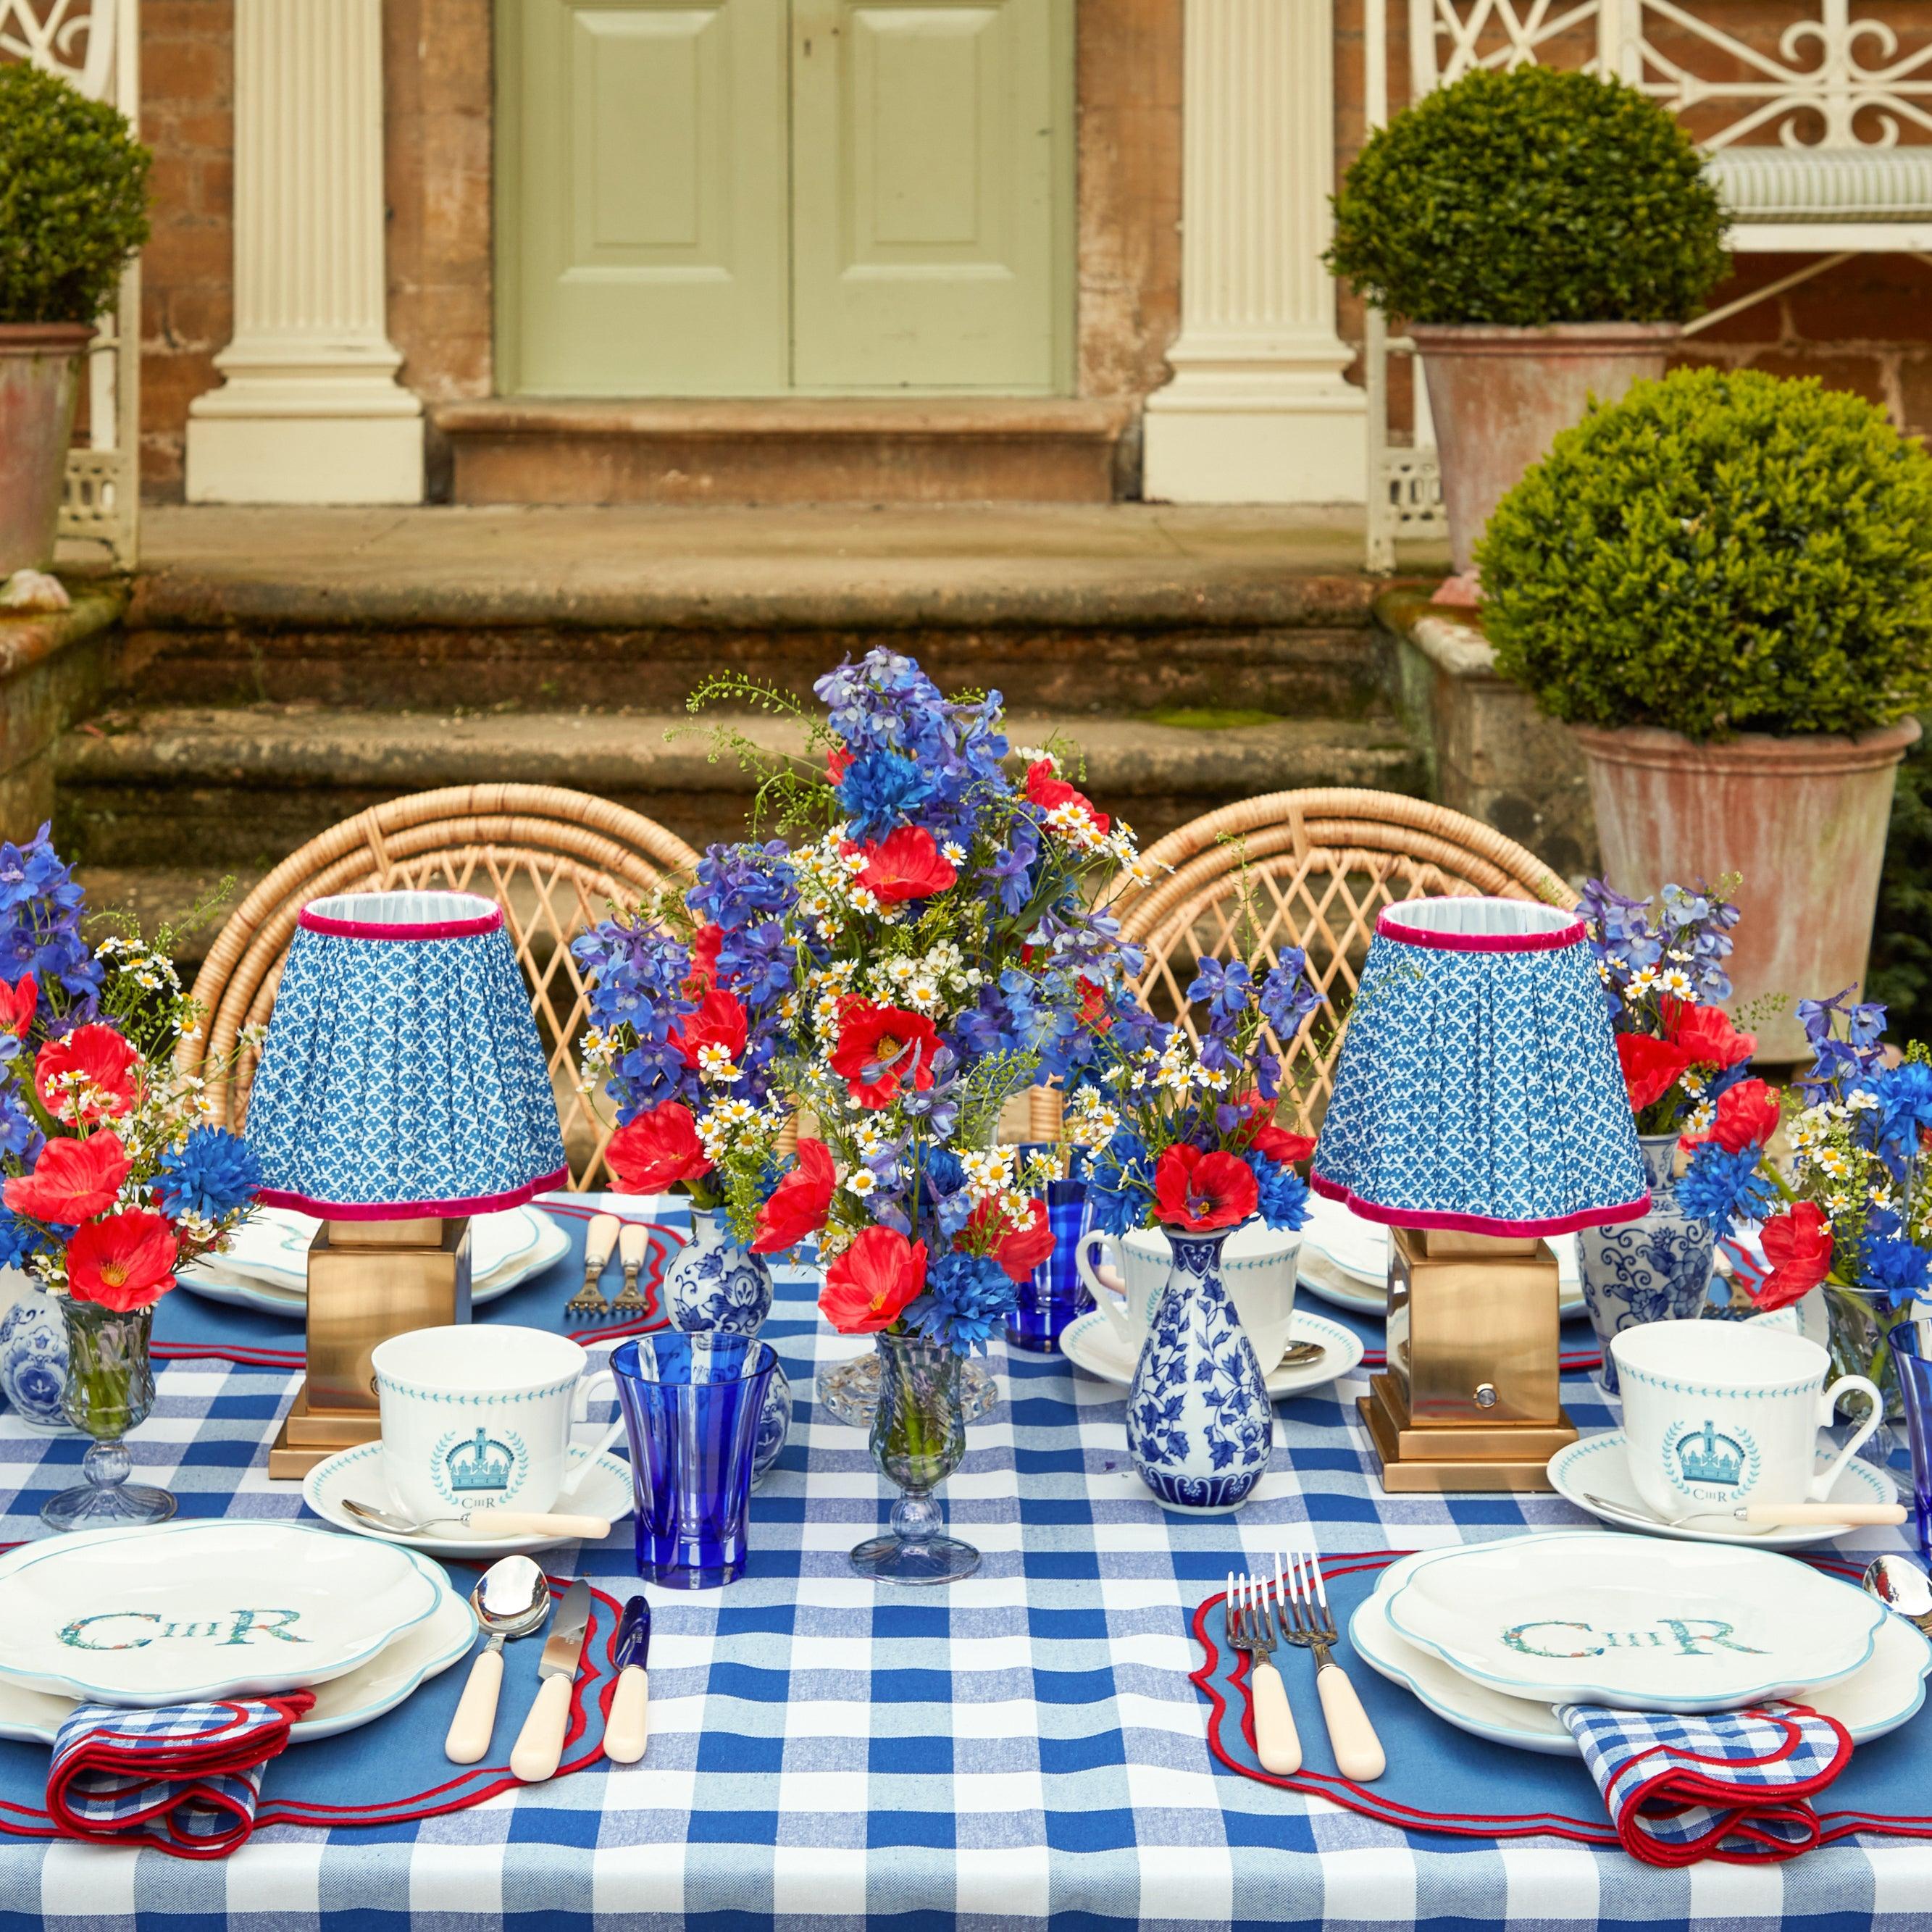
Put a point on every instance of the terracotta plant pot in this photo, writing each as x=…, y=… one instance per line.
x=1803, y=819
x=40, y=384
x=1499, y=396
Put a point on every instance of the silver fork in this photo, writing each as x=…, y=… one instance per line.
x=1301, y=1603
x=1250, y=1627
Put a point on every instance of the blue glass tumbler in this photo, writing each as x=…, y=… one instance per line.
x=1911, y=1350
x=1052, y=1295
x=691, y=1404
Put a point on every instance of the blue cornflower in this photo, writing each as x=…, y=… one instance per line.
x=1894, y=1268
x=1725, y=1188
x=883, y=789
x=1905, y=1103
x=1281, y=1193
x=213, y=1173
x=966, y=1301
x=1226, y=987
x=20, y=1241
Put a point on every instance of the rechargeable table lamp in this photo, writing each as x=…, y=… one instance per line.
x=1479, y=1106
x=402, y=1089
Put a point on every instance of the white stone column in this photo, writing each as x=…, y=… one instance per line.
x=310, y=411
x=1257, y=412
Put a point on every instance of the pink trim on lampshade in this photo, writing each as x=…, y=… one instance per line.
x=1388, y=926
x=368, y=928
x=411, y=1210
x=1477, y=1224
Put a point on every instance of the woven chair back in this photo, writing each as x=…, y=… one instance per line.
x=556, y=861
x=1313, y=869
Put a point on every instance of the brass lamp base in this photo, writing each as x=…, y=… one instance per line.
x=1469, y=1402
x=368, y=1280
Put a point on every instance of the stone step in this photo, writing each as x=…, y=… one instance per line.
x=196, y=791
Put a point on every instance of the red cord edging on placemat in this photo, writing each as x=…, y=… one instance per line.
x=1357, y=1798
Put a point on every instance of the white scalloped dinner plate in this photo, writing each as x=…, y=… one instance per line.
x=1876, y=1698
x=1636, y=1622
x=1345, y=1260
x=1089, y=1343
x=180, y=1611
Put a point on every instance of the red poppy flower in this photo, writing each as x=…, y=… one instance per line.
x=1046, y=791
x=1798, y=1244
x=719, y=1021
x=1277, y=1144
x=1748, y=1116
x=799, y=1203
x=1200, y=1191
x=123, y=1262
x=1704, y=1035
x=837, y=762
x=883, y=1050
x=1093, y=1006
x=704, y=974
x=871, y=1282
x=1650, y=1066
x=71, y=1180
x=657, y=1149
x=87, y=1077
x=1020, y=1247
x=906, y=864
x=17, y=1005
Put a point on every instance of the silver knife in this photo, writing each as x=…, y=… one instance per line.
x=540, y=1743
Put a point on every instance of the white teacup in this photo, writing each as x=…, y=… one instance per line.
x=1720, y=1414
x=479, y=1417
x=1258, y=1267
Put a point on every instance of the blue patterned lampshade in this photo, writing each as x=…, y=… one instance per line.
x=402, y=1075
x=1478, y=1086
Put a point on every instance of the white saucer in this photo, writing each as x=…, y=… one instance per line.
x=358, y=1472
x=1089, y=1343
x=340, y=1704
x=1876, y=1698
x=1322, y=1275
x=1599, y=1466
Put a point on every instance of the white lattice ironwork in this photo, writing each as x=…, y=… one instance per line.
x=1817, y=115
x=95, y=44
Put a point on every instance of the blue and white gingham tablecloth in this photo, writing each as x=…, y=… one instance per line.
x=1025, y=1745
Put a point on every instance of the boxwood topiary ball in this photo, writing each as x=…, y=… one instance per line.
x=1722, y=551
x=1523, y=198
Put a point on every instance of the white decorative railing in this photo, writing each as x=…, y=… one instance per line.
x=1817, y=115
x=95, y=44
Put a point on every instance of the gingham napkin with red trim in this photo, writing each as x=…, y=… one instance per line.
x=187, y=1776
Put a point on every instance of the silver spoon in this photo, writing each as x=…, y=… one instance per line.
x=1301, y=1355
x=496, y=1525
x=512, y=1598
x=1900, y=1585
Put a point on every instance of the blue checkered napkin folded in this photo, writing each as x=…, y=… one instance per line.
x=1731, y=1785
x=187, y=1776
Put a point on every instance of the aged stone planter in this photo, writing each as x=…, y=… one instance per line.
x=1803, y=819
x=1499, y=396
x=40, y=384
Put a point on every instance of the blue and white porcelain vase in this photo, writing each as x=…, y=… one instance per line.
x=1657, y=1268
x=714, y=1285
x=1199, y=1427
x=33, y=1355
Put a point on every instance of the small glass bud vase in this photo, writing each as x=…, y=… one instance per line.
x=110, y=1390
x=918, y=1437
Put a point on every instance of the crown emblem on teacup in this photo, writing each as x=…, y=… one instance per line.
x=480, y=1463
x=1710, y=1458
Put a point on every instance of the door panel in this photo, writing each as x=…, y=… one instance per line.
x=644, y=223
x=926, y=196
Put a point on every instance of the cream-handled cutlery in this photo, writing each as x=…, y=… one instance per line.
x=1764, y=1516
x=634, y=1249
x=1277, y=1744
x=600, y=1243
x=539, y=1745
x=491, y=1523
x=628, y=1726
x=512, y=1598
x=1306, y=1619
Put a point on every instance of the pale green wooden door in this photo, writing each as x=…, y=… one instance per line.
x=751, y=197
x=643, y=199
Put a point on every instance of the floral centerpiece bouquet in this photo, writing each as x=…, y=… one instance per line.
x=114, y=1178
x=1181, y=1136
x=1849, y=1210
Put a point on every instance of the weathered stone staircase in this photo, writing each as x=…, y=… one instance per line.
x=278, y=670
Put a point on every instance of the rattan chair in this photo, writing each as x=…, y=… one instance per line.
x=1313, y=869
x=555, y=860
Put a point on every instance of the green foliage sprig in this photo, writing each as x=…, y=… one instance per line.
x=1523, y=198
x=73, y=198
x=1722, y=551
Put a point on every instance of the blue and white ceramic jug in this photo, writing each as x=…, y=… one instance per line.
x=33, y=1354
x=713, y=1286
x=1199, y=1425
